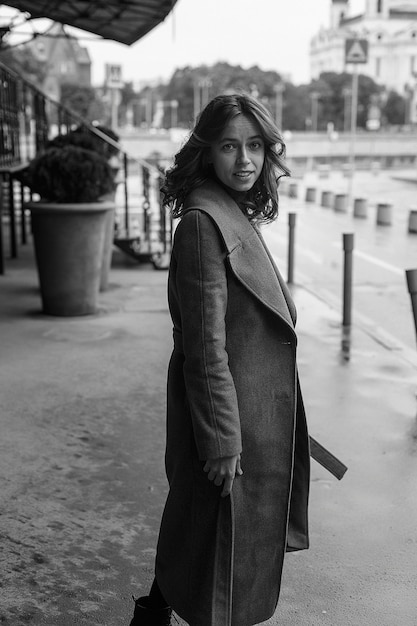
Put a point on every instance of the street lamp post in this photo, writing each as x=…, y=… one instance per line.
x=413, y=101
x=407, y=103
x=347, y=96
x=278, y=89
x=174, y=113
x=148, y=111
x=197, y=102
x=353, y=118
x=314, y=110
x=201, y=94
x=205, y=84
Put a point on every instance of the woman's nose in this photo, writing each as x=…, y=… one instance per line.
x=243, y=156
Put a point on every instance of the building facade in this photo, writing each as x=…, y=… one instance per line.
x=64, y=61
x=389, y=26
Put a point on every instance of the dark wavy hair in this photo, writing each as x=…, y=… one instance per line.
x=191, y=164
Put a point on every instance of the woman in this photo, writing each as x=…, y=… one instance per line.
x=237, y=454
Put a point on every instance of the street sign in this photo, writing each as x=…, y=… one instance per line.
x=356, y=51
x=113, y=76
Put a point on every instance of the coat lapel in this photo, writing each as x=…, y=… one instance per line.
x=286, y=292
x=247, y=253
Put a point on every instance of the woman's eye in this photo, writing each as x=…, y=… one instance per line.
x=256, y=145
x=228, y=147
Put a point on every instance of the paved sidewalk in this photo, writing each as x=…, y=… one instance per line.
x=82, y=404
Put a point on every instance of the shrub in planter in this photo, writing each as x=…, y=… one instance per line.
x=69, y=226
x=70, y=174
x=73, y=138
x=84, y=138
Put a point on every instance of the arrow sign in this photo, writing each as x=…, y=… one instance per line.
x=356, y=51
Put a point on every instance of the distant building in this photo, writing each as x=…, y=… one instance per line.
x=390, y=26
x=63, y=59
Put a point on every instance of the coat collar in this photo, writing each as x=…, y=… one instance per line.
x=246, y=249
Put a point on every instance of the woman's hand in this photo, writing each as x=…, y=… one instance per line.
x=224, y=470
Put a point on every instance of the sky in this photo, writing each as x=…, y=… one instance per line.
x=273, y=34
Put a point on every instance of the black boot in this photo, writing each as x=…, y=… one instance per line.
x=146, y=616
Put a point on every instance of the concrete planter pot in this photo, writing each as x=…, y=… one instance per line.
x=108, y=240
x=69, y=242
x=107, y=250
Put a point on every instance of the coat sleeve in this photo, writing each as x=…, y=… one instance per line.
x=201, y=286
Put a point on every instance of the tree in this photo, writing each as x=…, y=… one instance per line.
x=367, y=89
x=220, y=78
x=21, y=60
x=81, y=100
x=127, y=99
x=333, y=106
x=296, y=109
x=328, y=98
x=332, y=87
x=394, y=109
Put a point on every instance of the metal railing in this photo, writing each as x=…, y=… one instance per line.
x=28, y=120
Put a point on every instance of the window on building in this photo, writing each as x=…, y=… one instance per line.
x=379, y=6
x=413, y=64
x=378, y=67
x=67, y=67
x=379, y=36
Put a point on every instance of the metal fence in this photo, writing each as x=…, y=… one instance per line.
x=28, y=120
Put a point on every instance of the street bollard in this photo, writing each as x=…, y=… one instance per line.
x=412, y=221
x=384, y=214
x=340, y=203
x=360, y=207
x=346, y=342
x=293, y=190
x=411, y=278
x=291, y=246
x=310, y=194
x=327, y=199
x=348, y=240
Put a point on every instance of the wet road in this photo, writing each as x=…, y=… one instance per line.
x=382, y=253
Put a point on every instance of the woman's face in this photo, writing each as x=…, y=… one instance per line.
x=238, y=155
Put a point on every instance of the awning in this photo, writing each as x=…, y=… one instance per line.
x=125, y=21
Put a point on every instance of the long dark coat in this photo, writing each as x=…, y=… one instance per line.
x=232, y=388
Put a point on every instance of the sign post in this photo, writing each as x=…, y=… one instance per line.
x=356, y=51
x=113, y=82
x=278, y=89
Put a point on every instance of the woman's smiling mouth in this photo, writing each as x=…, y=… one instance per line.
x=243, y=174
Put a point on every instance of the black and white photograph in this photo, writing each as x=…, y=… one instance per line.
x=208, y=313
